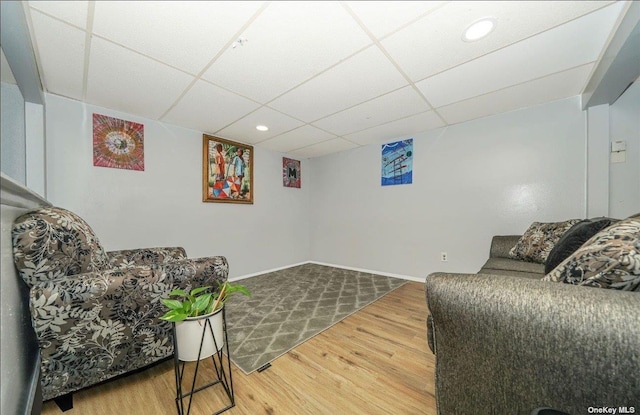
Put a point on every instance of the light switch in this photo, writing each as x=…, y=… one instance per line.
x=618, y=146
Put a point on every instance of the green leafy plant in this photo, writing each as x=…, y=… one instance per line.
x=200, y=301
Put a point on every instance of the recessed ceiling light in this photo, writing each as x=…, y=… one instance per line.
x=479, y=29
x=262, y=128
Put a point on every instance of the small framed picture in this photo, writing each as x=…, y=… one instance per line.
x=291, y=173
x=397, y=163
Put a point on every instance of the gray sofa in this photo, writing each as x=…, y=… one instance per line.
x=507, y=343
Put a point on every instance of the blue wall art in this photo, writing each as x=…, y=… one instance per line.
x=397, y=163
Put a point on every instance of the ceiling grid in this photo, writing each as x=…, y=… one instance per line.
x=323, y=76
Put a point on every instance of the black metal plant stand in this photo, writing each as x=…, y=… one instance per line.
x=223, y=374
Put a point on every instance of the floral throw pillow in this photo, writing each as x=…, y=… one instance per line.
x=610, y=259
x=539, y=239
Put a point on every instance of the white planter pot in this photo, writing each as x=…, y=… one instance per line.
x=189, y=335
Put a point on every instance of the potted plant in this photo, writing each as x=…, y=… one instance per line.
x=190, y=311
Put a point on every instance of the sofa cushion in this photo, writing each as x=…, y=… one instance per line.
x=505, y=264
x=610, y=259
x=539, y=239
x=573, y=239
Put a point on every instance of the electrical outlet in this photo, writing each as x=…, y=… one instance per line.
x=443, y=257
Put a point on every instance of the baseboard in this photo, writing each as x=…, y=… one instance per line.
x=370, y=271
x=241, y=277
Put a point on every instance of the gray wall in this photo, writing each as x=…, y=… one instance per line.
x=473, y=180
x=12, y=139
x=625, y=177
x=162, y=206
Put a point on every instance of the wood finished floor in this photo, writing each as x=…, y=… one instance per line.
x=376, y=361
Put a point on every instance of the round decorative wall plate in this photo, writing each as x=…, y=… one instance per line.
x=117, y=143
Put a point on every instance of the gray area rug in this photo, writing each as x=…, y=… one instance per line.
x=290, y=306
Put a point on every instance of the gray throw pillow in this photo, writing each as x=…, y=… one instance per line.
x=573, y=239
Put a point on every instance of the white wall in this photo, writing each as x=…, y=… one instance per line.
x=35, y=147
x=471, y=181
x=597, y=161
x=162, y=206
x=12, y=141
x=624, y=177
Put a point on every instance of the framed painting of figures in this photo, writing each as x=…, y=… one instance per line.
x=227, y=171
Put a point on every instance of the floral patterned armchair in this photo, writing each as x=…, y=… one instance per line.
x=95, y=313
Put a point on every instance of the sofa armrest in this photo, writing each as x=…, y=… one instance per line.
x=430, y=329
x=508, y=345
x=502, y=244
x=146, y=256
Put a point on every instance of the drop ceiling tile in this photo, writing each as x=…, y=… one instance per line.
x=61, y=51
x=570, y=45
x=550, y=88
x=129, y=82
x=6, y=74
x=434, y=43
x=209, y=108
x=326, y=147
x=287, y=44
x=74, y=12
x=183, y=34
x=383, y=17
x=401, y=128
x=291, y=45
x=298, y=138
x=245, y=128
x=397, y=104
x=357, y=79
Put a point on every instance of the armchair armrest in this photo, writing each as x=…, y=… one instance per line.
x=508, y=345
x=94, y=326
x=146, y=256
x=197, y=272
